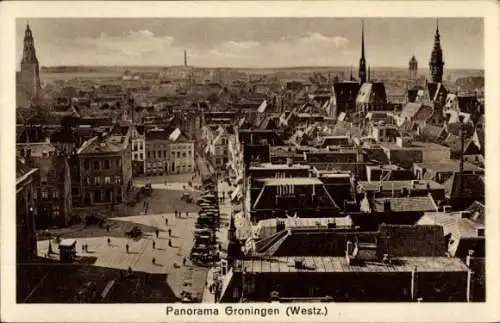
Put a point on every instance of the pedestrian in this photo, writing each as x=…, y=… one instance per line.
x=169, y=232
x=184, y=261
x=175, y=213
x=109, y=241
x=169, y=243
x=83, y=248
x=127, y=247
x=154, y=244
x=107, y=227
x=154, y=260
x=146, y=211
x=144, y=204
x=166, y=221
x=187, y=214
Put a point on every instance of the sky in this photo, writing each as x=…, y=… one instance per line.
x=252, y=42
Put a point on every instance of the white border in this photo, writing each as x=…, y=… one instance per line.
x=9, y=11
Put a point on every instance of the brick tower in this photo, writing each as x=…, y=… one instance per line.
x=29, y=77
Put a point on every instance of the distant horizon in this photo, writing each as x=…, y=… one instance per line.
x=251, y=68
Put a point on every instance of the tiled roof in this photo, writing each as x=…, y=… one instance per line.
x=473, y=186
x=411, y=240
x=405, y=204
x=432, y=133
x=423, y=114
x=454, y=129
x=478, y=212
x=409, y=110
x=109, y=144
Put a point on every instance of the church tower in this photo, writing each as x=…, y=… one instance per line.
x=362, y=60
x=30, y=74
x=436, y=63
x=412, y=68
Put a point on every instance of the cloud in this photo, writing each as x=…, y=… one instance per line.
x=309, y=48
x=143, y=47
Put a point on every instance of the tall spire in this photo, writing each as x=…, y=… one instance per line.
x=185, y=58
x=362, y=60
x=29, y=75
x=436, y=62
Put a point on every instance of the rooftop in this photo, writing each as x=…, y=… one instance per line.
x=109, y=144
x=398, y=185
x=414, y=145
x=278, y=166
x=448, y=166
x=339, y=265
x=405, y=204
x=291, y=181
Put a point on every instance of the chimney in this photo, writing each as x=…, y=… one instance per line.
x=387, y=206
x=299, y=263
x=399, y=142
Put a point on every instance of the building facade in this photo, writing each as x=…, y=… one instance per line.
x=52, y=190
x=105, y=164
x=157, y=152
x=25, y=212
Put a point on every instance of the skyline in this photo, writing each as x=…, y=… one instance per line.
x=240, y=42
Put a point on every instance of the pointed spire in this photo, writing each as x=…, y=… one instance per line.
x=185, y=58
x=362, y=39
x=368, y=78
x=436, y=62
x=362, y=60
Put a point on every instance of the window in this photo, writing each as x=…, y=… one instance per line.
x=164, y=154
x=135, y=146
x=135, y=156
x=55, y=213
x=96, y=165
x=178, y=154
x=106, y=164
x=118, y=180
x=86, y=164
x=45, y=194
x=154, y=154
x=87, y=180
x=107, y=180
x=141, y=156
x=189, y=153
x=236, y=292
x=173, y=153
x=35, y=194
x=43, y=179
x=97, y=180
x=184, y=154
x=75, y=191
x=149, y=154
x=55, y=194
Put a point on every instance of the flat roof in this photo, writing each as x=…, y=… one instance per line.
x=291, y=181
x=278, y=166
x=339, y=265
x=448, y=165
x=414, y=145
x=398, y=185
